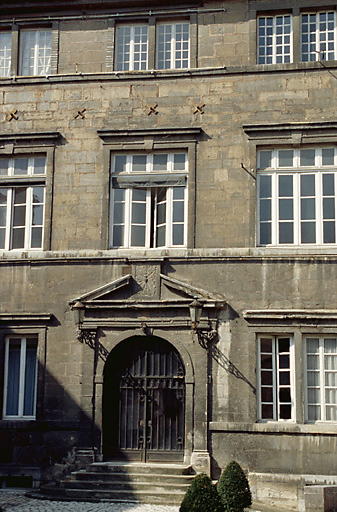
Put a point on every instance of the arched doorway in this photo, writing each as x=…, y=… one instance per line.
x=144, y=401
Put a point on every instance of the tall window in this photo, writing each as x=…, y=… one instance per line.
x=131, y=47
x=20, y=377
x=173, y=46
x=318, y=38
x=274, y=39
x=297, y=196
x=22, y=204
x=321, y=378
x=5, y=53
x=148, y=200
x=275, y=393
x=35, y=52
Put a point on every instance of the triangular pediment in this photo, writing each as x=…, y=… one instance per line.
x=128, y=289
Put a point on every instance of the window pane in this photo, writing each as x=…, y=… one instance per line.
x=178, y=234
x=139, y=163
x=308, y=232
x=265, y=210
x=286, y=233
x=265, y=186
x=160, y=162
x=5, y=53
x=285, y=186
x=329, y=208
x=4, y=164
x=18, y=238
x=37, y=215
x=36, y=241
x=178, y=211
x=40, y=165
x=13, y=380
x=30, y=378
x=328, y=184
x=286, y=209
x=265, y=233
x=307, y=185
x=328, y=156
x=20, y=166
x=308, y=210
x=285, y=412
x=138, y=213
x=286, y=157
x=329, y=232
x=265, y=159
x=161, y=213
x=118, y=236
x=138, y=236
x=178, y=193
x=267, y=412
x=179, y=161
x=266, y=378
x=312, y=345
x=161, y=232
x=307, y=157
x=266, y=345
x=120, y=163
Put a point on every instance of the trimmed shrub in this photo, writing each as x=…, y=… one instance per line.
x=201, y=496
x=233, y=488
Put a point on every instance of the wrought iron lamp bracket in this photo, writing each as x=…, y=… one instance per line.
x=206, y=337
x=87, y=337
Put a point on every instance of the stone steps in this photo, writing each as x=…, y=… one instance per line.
x=164, y=484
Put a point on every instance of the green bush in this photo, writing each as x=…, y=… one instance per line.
x=201, y=496
x=233, y=488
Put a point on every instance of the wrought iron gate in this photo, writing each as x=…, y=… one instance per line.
x=150, y=384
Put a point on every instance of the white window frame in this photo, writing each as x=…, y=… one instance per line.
x=276, y=384
x=20, y=181
x=318, y=54
x=321, y=387
x=5, y=53
x=174, y=43
x=38, y=70
x=132, y=66
x=277, y=41
x=318, y=170
x=151, y=211
x=20, y=415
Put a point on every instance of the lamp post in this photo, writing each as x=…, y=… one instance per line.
x=78, y=311
x=205, y=336
x=195, y=313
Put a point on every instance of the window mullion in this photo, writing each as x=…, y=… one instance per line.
x=297, y=208
x=274, y=41
x=155, y=216
x=148, y=219
x=319, y=207
x=259, y=380
x=132, y=49
x=22, y=376
x=275, y=379
x=169, y=217
x=128, y=207
x=322, y=377
x=275, y=209
x=335, y=35
x=6, y=378
x=11, y=217
x=8, y=229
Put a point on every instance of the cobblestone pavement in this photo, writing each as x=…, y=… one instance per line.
x=15, y=500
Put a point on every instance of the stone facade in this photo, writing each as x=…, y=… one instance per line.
x=220, y=111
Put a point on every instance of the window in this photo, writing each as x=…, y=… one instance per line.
x=22, y=202
x=318, y=36
x=275, y=394
x=35, y=52
x=321, y=378
x=274, y=39
x=131, y=47
x=148, y=200
x=20, y=377
x=5, y=53
x=173, y=46
x=297, y=196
